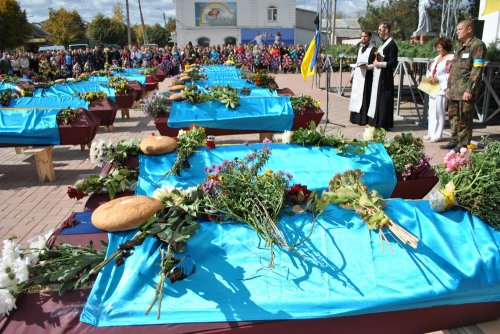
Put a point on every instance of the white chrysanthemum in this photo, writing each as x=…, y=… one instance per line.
x=7, y=302
x=6, y=280
x=10, y=251
x=163, y=192
x=20, y=269
x=368, y=133
x=437, y=201
x=188, y=191
x=181, y=133
x=286, y=137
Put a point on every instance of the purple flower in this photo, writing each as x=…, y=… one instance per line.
x=288, y=175
x=208, y=169
x=250, y=157
x=266, y=150
x=267, y=141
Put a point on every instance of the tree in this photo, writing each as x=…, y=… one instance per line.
x=118, y=13
x=107, y=30
x=14, y=26
x=64, y=26
x=402, y=14
x=171, y=25
x=157, y=34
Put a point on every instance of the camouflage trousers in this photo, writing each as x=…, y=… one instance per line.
x=461, y=115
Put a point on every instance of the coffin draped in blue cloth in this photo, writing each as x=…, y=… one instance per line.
x=29, y=126
x=253, y=113
x=343, y=271
x=53, y=102
x=70, y=89
x=310, y=165
x=133, y=77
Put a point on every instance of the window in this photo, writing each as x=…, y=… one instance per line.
x=204, y=41
x=272, y=13
x=230, y=40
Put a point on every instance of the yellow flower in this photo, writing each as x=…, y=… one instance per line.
x=449, y=194
x=23, y=92
x=471, y=147
x=268, y=172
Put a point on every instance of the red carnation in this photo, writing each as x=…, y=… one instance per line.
x=72, y=192
x=79, y=194
x=299, y=193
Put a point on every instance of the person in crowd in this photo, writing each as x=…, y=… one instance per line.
x=277, y=39
x=361, y=80
x=214, y=56
x=293, y=57
x=286, y=63
x=24, y=64
x=14, y=64
x=135, y=57
x=248, y=60
x=381, y=109
x=275, y=58
x=464, y=84
x=176, y=60
x=68, y=62
x=77, y=69
x=190, y=54
x=438, y=73
x=257, y=57
x=87, y=67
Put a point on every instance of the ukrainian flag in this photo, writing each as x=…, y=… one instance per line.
x=309, y=62
x=490, y=6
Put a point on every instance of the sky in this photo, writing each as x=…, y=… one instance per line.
x=152, y=10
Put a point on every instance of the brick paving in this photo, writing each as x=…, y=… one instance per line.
x=28, y=207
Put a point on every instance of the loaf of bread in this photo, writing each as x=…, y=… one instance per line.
x=176, y=87
x=125, y=213
x=158, y=145
x=176, y=97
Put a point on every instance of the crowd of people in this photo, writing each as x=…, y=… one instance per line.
x=458, y=77
x=63, y=64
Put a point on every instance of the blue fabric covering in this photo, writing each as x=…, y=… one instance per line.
x=84, y=225
x=54, y=102
x=254, y=92
x=343, y=271
x=7, y=85
x=30, y=126
x=310, y=165
x=134, y=77
x=263, y=114
x=70, y=89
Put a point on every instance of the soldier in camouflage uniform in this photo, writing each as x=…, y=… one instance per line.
x=464, y=85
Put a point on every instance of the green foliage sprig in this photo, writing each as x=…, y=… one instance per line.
x=6, y=95
x=156, y=104
x=118, y=179
x=406, y=151
x=228, y=96
x=318, y=137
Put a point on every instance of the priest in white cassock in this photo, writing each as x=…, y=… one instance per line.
x=361, y=80
x=381, y=110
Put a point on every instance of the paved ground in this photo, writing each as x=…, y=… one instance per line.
x=28, y=207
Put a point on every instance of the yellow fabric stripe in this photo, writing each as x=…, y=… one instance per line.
x=306, y=62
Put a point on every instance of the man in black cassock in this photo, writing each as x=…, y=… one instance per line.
x=361, y=80
x=381, y=111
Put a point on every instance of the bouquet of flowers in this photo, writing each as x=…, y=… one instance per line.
x=69, y=115
x=348, y=191
x=119, y=84
x=156, y=104
x=91, y=96
x=471, y=180
x=102, y=152
x=301, y=103
x=236, y=191
x=149, y=71
x=41, y=264
x=6, y=95
x=408, y=156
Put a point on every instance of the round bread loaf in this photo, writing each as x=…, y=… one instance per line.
x=177, y=87
x=176, y=97
x=158, y=145
x=125, y=213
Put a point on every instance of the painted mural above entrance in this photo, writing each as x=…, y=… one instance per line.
x=215, y=13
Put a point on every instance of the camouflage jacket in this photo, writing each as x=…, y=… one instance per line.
x=467, y=69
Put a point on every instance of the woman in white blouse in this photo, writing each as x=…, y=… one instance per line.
x=438, y=73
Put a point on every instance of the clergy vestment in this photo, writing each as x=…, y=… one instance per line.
x=381, y=110
x=362, y=85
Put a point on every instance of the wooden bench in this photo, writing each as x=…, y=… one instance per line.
x=43, y=160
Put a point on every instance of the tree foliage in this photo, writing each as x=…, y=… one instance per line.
x=14, y=27
x=156, y=34
x=402, y=14
x=118, y=13
x=171, y=25
x=107, y=30
x=64, y=26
